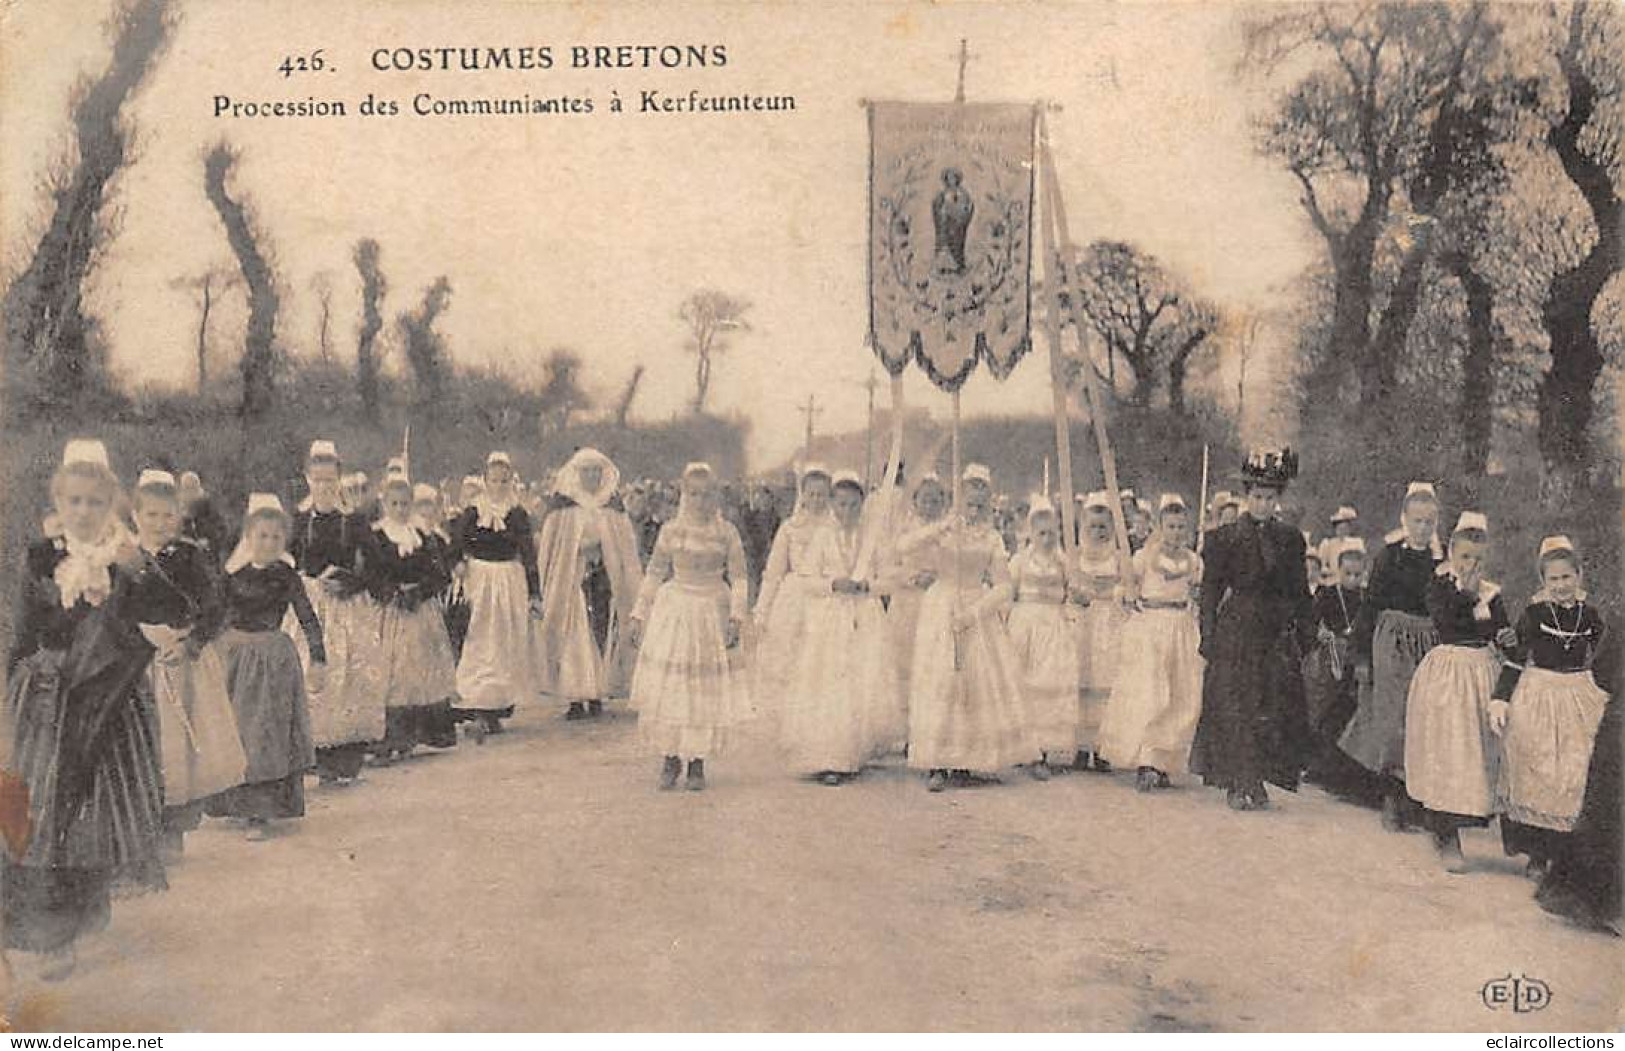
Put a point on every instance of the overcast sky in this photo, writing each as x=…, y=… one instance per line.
x=588, y=231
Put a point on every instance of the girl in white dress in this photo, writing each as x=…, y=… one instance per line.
x=1157, y=699
x=841, y=708
x=1044, y=631
x=965, y=710
x=787, y=583
x=1100, y=629
x=908, y=574
x=686, y=622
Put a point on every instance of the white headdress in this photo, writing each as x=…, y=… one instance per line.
x=1099, y=500
x=424, y=491
x=1424, y=490
x=978, y=472
x=1345, y=514
x=846, y=477
x=322, y=449
x=86, y=451
x=152, y=477
x=258, y=503
x=567, y=482
x=1472, y=520
x=1170, y=500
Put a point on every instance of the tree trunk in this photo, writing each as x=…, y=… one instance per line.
x=1351, y=318
x=1393, y=330
x=259, y=345
x=1178, y=366
x=1477, y=367
x=1566, y=400
x=51, y=351
x=372, y=322
x=203, y=336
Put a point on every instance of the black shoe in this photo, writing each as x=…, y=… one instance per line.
x=831, y=778
x=1392, y=819
x=1145, y=779
x=1101, y=766
x=696, y=775
x=577, y=711
x=1039, y=771
x=936, y=781
x=595, y=709
x=1259, y=798
x=669, y=772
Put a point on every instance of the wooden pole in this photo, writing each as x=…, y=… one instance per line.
x=1053, y=267
x=1201, y=509
x=1055, y=212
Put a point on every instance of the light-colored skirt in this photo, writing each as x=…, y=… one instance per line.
x=197, y=730
x=497, y=670
x=1547, y=746
x=1157, y=699
x=349, y=708
x=965, y=708
x=1450, y=752
x=841, y=708
x=685, y=690
x=267, y=690
x=902, y=622
x=414, y=655
x=1045, y=639
x=781, y=638
x=1100, y=627
x=1375, y=737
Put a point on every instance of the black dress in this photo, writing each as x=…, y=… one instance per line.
x=82, y=735
x=1256, y=621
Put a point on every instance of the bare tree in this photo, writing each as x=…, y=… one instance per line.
x=1586, y=139
x=426, y=348
x=1143, y=316
x=206, y=289
x=623, y=408
x=711, y=317
x=373, y=288
x=1352, y=131
x=321, y=283
x=561, y=395
x=53, y=353
x=259, y=345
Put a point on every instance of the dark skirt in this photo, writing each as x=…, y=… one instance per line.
x=267, y=688
x=91, y=834
x=1584, y=883
x=1254, y=727
x=262, y=800
x=432, y=725
x=341, y=760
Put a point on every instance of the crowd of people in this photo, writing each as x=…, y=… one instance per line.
x=167, y=667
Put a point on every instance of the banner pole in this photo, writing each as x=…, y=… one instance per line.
x=1053, y=267
x=1055, y=212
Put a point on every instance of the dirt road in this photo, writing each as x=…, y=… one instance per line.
x=540, y=882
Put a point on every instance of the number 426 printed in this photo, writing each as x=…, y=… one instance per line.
x=315, y=62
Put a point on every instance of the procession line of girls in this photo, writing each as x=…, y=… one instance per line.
x=1462, y=716
x=936, y=644
x=147, y=688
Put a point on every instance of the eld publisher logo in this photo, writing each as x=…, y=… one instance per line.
x=1523, y=994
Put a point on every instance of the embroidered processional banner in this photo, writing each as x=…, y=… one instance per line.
x=950, y=236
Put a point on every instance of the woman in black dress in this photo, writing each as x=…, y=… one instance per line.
x=1256, y=619
x=81, y=732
